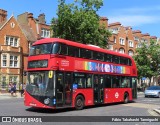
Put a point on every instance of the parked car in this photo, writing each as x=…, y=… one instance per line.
x=152, y=91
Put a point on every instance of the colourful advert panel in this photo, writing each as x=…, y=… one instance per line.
x=100, y=67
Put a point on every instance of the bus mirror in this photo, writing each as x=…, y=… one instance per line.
x=50, y=75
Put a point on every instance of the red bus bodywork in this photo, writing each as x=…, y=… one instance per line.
x=72, y=64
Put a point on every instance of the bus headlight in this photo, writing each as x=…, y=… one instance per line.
x=46, y=101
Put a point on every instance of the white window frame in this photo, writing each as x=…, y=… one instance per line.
x=13, y=61
x=110, y=47
x=13, y=79
x=121, y=50
x=11, y=41
x=45, y=33
x=4, y=60
x=122, y=41
x=131, y=43
x=130, y=53
x=4, y=80
x=136, y=38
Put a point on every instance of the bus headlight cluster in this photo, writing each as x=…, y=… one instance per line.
x=46, y=101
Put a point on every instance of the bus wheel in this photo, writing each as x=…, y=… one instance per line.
x=79, y=102
x=126, y=98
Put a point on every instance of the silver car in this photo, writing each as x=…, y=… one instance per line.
x=152, y=91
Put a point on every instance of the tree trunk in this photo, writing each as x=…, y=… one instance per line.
x=149, y=81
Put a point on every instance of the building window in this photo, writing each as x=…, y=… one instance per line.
x=144, y=40
x=130, y=43
x=122, y=41
x=45, y=33
x=110, y=47
x=13, y=61
x=13, y=79
x=136, y=38
x=4, y=85
x=139, y=45
x=130, y=53
x=4, y=60
x=11, y=41
x=12, y=25
x=114, y=30
x=121, y=50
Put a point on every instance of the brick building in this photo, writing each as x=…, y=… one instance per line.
x=13, y=50
x=16, y=37
x=38, y=25
x=124, y=39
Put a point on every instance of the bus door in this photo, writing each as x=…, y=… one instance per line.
x=68, y=89
x=98, y=88
x=63, y=89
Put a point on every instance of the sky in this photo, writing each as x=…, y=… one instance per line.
x=143, y=15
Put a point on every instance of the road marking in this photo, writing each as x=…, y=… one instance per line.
x=153, y=113
x=150, y=100
x=141, y=105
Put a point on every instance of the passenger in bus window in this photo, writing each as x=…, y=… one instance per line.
x=123, y=83
x=127, y=84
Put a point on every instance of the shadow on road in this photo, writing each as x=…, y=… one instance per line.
x=59, y=110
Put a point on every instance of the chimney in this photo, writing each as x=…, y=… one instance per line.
x=41, y=18
x=3, y=15
x=104, y=21
x=30, y=15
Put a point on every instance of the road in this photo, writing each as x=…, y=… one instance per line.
x=141, y=107
x=143, y=100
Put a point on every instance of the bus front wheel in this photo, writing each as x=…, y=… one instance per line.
x=126, y=98
x=79, y=102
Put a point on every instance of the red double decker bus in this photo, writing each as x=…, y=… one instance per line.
x=63, y=73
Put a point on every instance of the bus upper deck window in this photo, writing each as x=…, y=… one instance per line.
x=56, y=48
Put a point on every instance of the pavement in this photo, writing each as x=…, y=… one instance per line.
x=4, y=96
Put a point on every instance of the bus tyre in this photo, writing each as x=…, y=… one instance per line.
x=126, y=98
x=79, y=102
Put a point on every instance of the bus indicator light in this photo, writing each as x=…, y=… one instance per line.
x=50, y=75
x=54, y=101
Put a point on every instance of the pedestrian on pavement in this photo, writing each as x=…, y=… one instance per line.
x=22, y=87
x=14, y=90
x=11, y=88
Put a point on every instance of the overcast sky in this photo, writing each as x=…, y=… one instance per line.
x=141, y=15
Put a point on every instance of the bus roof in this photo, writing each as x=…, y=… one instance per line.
x=80, y=45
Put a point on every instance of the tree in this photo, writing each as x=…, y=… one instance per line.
x=147, y=60
x=79, y=22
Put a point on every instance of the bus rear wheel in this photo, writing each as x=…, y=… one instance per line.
x=126, y=98
x=79, y=102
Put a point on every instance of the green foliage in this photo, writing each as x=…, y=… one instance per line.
x=79, y=22
x=147, y=59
